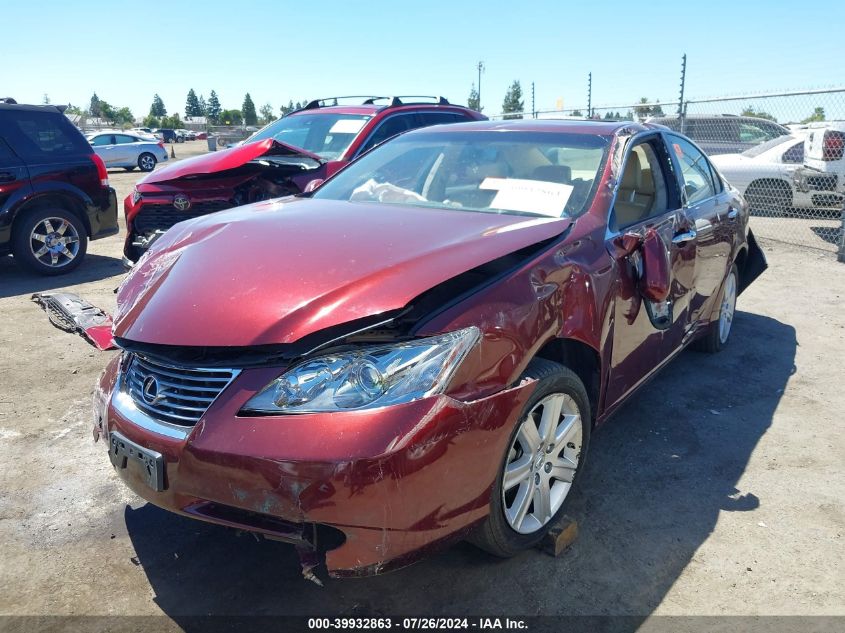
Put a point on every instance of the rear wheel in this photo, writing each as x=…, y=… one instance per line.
x=772, y=198
x=719, y=331
x=49, y=241
x=544, y=457
x=146, y=162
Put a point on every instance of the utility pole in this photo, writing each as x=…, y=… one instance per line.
x=480, y=70
x=683, y=81
x=590, y=96
x=533, y=108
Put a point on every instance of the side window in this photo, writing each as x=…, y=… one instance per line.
x=7, y=157
x=120, y=139
x=102, y=139
x=389, y=128
x=695, y=172
x=42, y=135
x=642, y=191
x=794, y=154
x=424, y=119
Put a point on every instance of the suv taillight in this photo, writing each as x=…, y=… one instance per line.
x=101, y=170
x=833, y=147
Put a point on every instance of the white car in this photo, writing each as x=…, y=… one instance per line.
x=122, y=149
x=823, y=175
x=765, y=174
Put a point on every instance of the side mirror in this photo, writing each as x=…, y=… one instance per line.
x=312, y=185
x=625, y=244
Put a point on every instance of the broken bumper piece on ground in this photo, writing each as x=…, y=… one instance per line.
x=72, y=313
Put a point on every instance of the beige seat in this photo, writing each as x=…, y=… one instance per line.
x=561, y=174
x=635, y=198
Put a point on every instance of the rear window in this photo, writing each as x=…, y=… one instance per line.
x=42, y=135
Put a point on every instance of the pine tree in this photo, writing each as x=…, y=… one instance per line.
x=248, y=111
x=474, y=100
x=94, y=109
x=203, y=106
x=157, y=109
x=513, y=101
x=192, y=104
x=213, y=110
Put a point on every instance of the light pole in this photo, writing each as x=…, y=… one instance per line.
x=480, y=70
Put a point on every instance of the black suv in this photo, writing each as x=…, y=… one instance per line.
x=54, y=190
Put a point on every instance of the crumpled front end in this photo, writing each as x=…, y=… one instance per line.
x=395, y=481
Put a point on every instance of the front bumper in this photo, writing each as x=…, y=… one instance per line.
x=396, y=481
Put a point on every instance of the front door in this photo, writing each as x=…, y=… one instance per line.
x=648, y=203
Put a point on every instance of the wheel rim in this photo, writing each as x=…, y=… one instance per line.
x=147, y=163
x=726, y=312
x=542, y=462
x=54, y=242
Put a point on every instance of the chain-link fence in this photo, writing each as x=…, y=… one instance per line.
x=785, y=153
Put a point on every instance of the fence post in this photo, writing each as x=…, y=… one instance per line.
x=841, y=253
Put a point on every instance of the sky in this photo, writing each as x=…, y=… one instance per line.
x=280, y=50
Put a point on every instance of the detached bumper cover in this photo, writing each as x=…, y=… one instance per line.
x=396, y=481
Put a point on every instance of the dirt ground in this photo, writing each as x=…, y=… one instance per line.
x=718, y=490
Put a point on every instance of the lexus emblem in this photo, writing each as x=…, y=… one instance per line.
x=150, y=391
x=181, y=202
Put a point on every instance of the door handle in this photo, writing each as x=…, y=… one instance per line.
x=684, y=237
x=7, y=176
x=733, y=214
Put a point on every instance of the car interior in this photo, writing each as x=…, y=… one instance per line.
x=640, y=195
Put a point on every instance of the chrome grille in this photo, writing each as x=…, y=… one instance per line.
x=179, y=395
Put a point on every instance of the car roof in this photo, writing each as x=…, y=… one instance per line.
x=371, y=109
x=30, y=108
x=551, y=126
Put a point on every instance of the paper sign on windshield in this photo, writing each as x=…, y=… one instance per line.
x=347, y=126
x=534, y=196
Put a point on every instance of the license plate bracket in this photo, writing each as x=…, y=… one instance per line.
x=150, y=463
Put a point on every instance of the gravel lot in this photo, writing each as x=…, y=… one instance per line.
x=718, y=490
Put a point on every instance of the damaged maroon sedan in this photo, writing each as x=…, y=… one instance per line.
x=419, y=350
x=280, y=159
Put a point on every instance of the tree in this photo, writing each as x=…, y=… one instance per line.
x=94, y=109
x=267, y=114
x=151, y=121
x=577, y=113
x=213, y=109
x=46, y=100
x=231, y=117
x=513, y=102
x=72, y=109
x=608, y=115
x=173, y=121
x=157, y=109
x=192, y=104
x=203, y=106
x=750, y=111
x=657, y=110
x=474, y=99
x=248, y=110
x=817, y=115
x=643, y=111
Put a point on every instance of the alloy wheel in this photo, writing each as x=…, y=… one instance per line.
x=541, y=463
x=54, y=242
x=147, y=162
x=726, y=311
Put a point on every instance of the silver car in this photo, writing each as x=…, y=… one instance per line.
x=123, y=149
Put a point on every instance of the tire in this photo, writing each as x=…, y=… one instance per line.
x=505, y=535
x=33, y=235
x=146, y=162
x=180, y=139
x=772, y=198
x=719, y=332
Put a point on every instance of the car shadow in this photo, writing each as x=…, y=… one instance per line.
x=15, y=280
x=658, y=477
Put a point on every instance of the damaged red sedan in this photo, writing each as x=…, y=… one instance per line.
x=419, y=350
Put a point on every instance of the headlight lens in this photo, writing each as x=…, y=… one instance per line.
x=367, y=378
x=136, y=195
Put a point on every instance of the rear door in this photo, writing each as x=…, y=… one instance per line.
x=14, y=184
x=125, y=150
x=708, y=208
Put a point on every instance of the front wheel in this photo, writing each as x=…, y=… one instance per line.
x=146, y=162
x=544, y=457
x=49, y=241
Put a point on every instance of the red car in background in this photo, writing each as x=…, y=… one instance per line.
x=280, y=159
x=419, y=350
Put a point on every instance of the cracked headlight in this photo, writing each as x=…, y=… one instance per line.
x=367, y=377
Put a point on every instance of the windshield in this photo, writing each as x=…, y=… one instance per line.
x=527, y=173
x=764, y=147
x=327, y=135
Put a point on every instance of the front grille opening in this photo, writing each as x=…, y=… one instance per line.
x=164, y=216
x=178, y=395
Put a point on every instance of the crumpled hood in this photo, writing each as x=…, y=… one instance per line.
x=275, y=271
x=225, y=159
